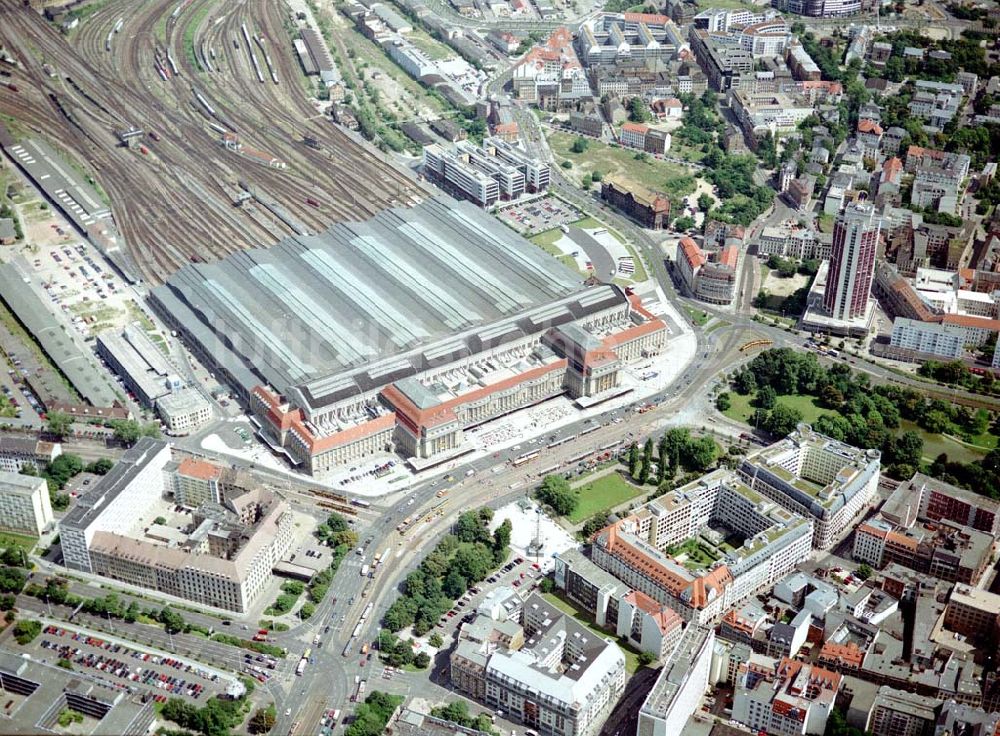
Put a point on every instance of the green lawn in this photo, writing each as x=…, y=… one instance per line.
x=717, y=324
x=698, y=556
x=584, y=618
x=935, y=444
x=423, y=41
x=604, y=493
x=9, y=539
x=618, y=161
x=699, y=316
x=547, y=240
x=741, y=410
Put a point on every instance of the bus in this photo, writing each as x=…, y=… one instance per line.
x=525, y=458
x=301, y=667
x=361, y=502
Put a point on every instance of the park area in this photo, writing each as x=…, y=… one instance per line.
x=741, y=409
x=602, y=494
x=643, y=170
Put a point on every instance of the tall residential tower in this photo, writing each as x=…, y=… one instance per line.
x=852, y=262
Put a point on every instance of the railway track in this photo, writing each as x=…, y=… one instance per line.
x=171, y=204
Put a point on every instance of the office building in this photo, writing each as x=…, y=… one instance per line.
x=635, y=549
x=221, y=555
x=650, y=209
x=972, y=612
x=816, y=477
x=183, y=411
x=24, y=503
x=142, y=367
x=852, y=262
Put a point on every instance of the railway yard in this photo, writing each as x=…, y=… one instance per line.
x=192, y=117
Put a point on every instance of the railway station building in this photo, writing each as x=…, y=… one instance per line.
x=400, y=333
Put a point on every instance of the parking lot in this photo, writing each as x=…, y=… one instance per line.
x=126, y=668
x=539, y=215
x=521, y=574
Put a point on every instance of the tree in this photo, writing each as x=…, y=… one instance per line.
x=647, y=461
x=455, y=584
x=637, y=111
x=172, y=621
x=864, y=571
x=684, y=222
x=100, y=466
x=704, y=202
x=555, y=492
x=422, y=660
x=59, y=423
x=126, y=431
x=436, y=640
x=723, y=401
x=782, y=420
x=160, y=520
x=470, y=528
x=646, y=658
x=701, y=454
x=262, y=721
x=580, y=145
x=766, y=398
x=12, y=579
x=501, y=538
x=633, y=459
x=547, y=585
x=26, y=630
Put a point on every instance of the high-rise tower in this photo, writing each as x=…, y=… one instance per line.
x=852, y=262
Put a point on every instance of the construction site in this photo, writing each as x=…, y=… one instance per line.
x=194, y=123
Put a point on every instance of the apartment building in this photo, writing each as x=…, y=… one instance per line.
x=24, y=503
x=900, y=713
x=795, y=698
x=647, y=625
x=16, y=452
x=220, y=555
x=819, y=478
x=792, y=241
x=942, y=341
x=563, y=681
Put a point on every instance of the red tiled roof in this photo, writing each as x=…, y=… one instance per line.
x=869, y=126
x=654, y=18
x=964, y=320
x=635, y=128
x=692, y=253
x=730, y=256
x=200, y=469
